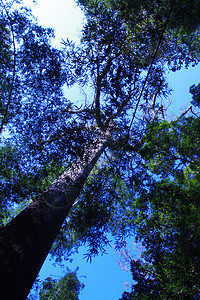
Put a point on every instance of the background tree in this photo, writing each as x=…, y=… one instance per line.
x=68, y=287
x=167, y=222
x=125, y=65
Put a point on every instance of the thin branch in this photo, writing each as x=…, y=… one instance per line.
x=185, y=112
x=100, y=77
x=162, y=112
x=14, y=69
x=80, y=110
x=151, y=65
x=154, y=102
x=97, y=94
x=97, y=83
x=189, y=108
x=194, y=113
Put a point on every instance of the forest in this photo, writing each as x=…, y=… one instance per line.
x=112, y=165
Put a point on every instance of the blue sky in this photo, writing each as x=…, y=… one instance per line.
x=103, y=278
x=180, y=82
x=62, y=15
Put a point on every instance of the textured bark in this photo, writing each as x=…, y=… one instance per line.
x=26, y=240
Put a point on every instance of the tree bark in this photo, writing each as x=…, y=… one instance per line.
x=26, y=241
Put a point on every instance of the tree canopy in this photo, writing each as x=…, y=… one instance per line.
x=146, y=180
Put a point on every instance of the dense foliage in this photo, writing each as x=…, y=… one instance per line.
x=28, y=76
x=167, y=222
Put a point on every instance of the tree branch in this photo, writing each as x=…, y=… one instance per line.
x=97, y=93
x=194, y=113
x=79, y=110
x=98, y=87
x=152, y=62
x=185, y=112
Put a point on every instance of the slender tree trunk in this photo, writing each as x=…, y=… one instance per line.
x=26, y=241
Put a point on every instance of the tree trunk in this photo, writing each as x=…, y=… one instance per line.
x=26, y=241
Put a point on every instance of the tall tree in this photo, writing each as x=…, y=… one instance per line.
x=125, y=65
